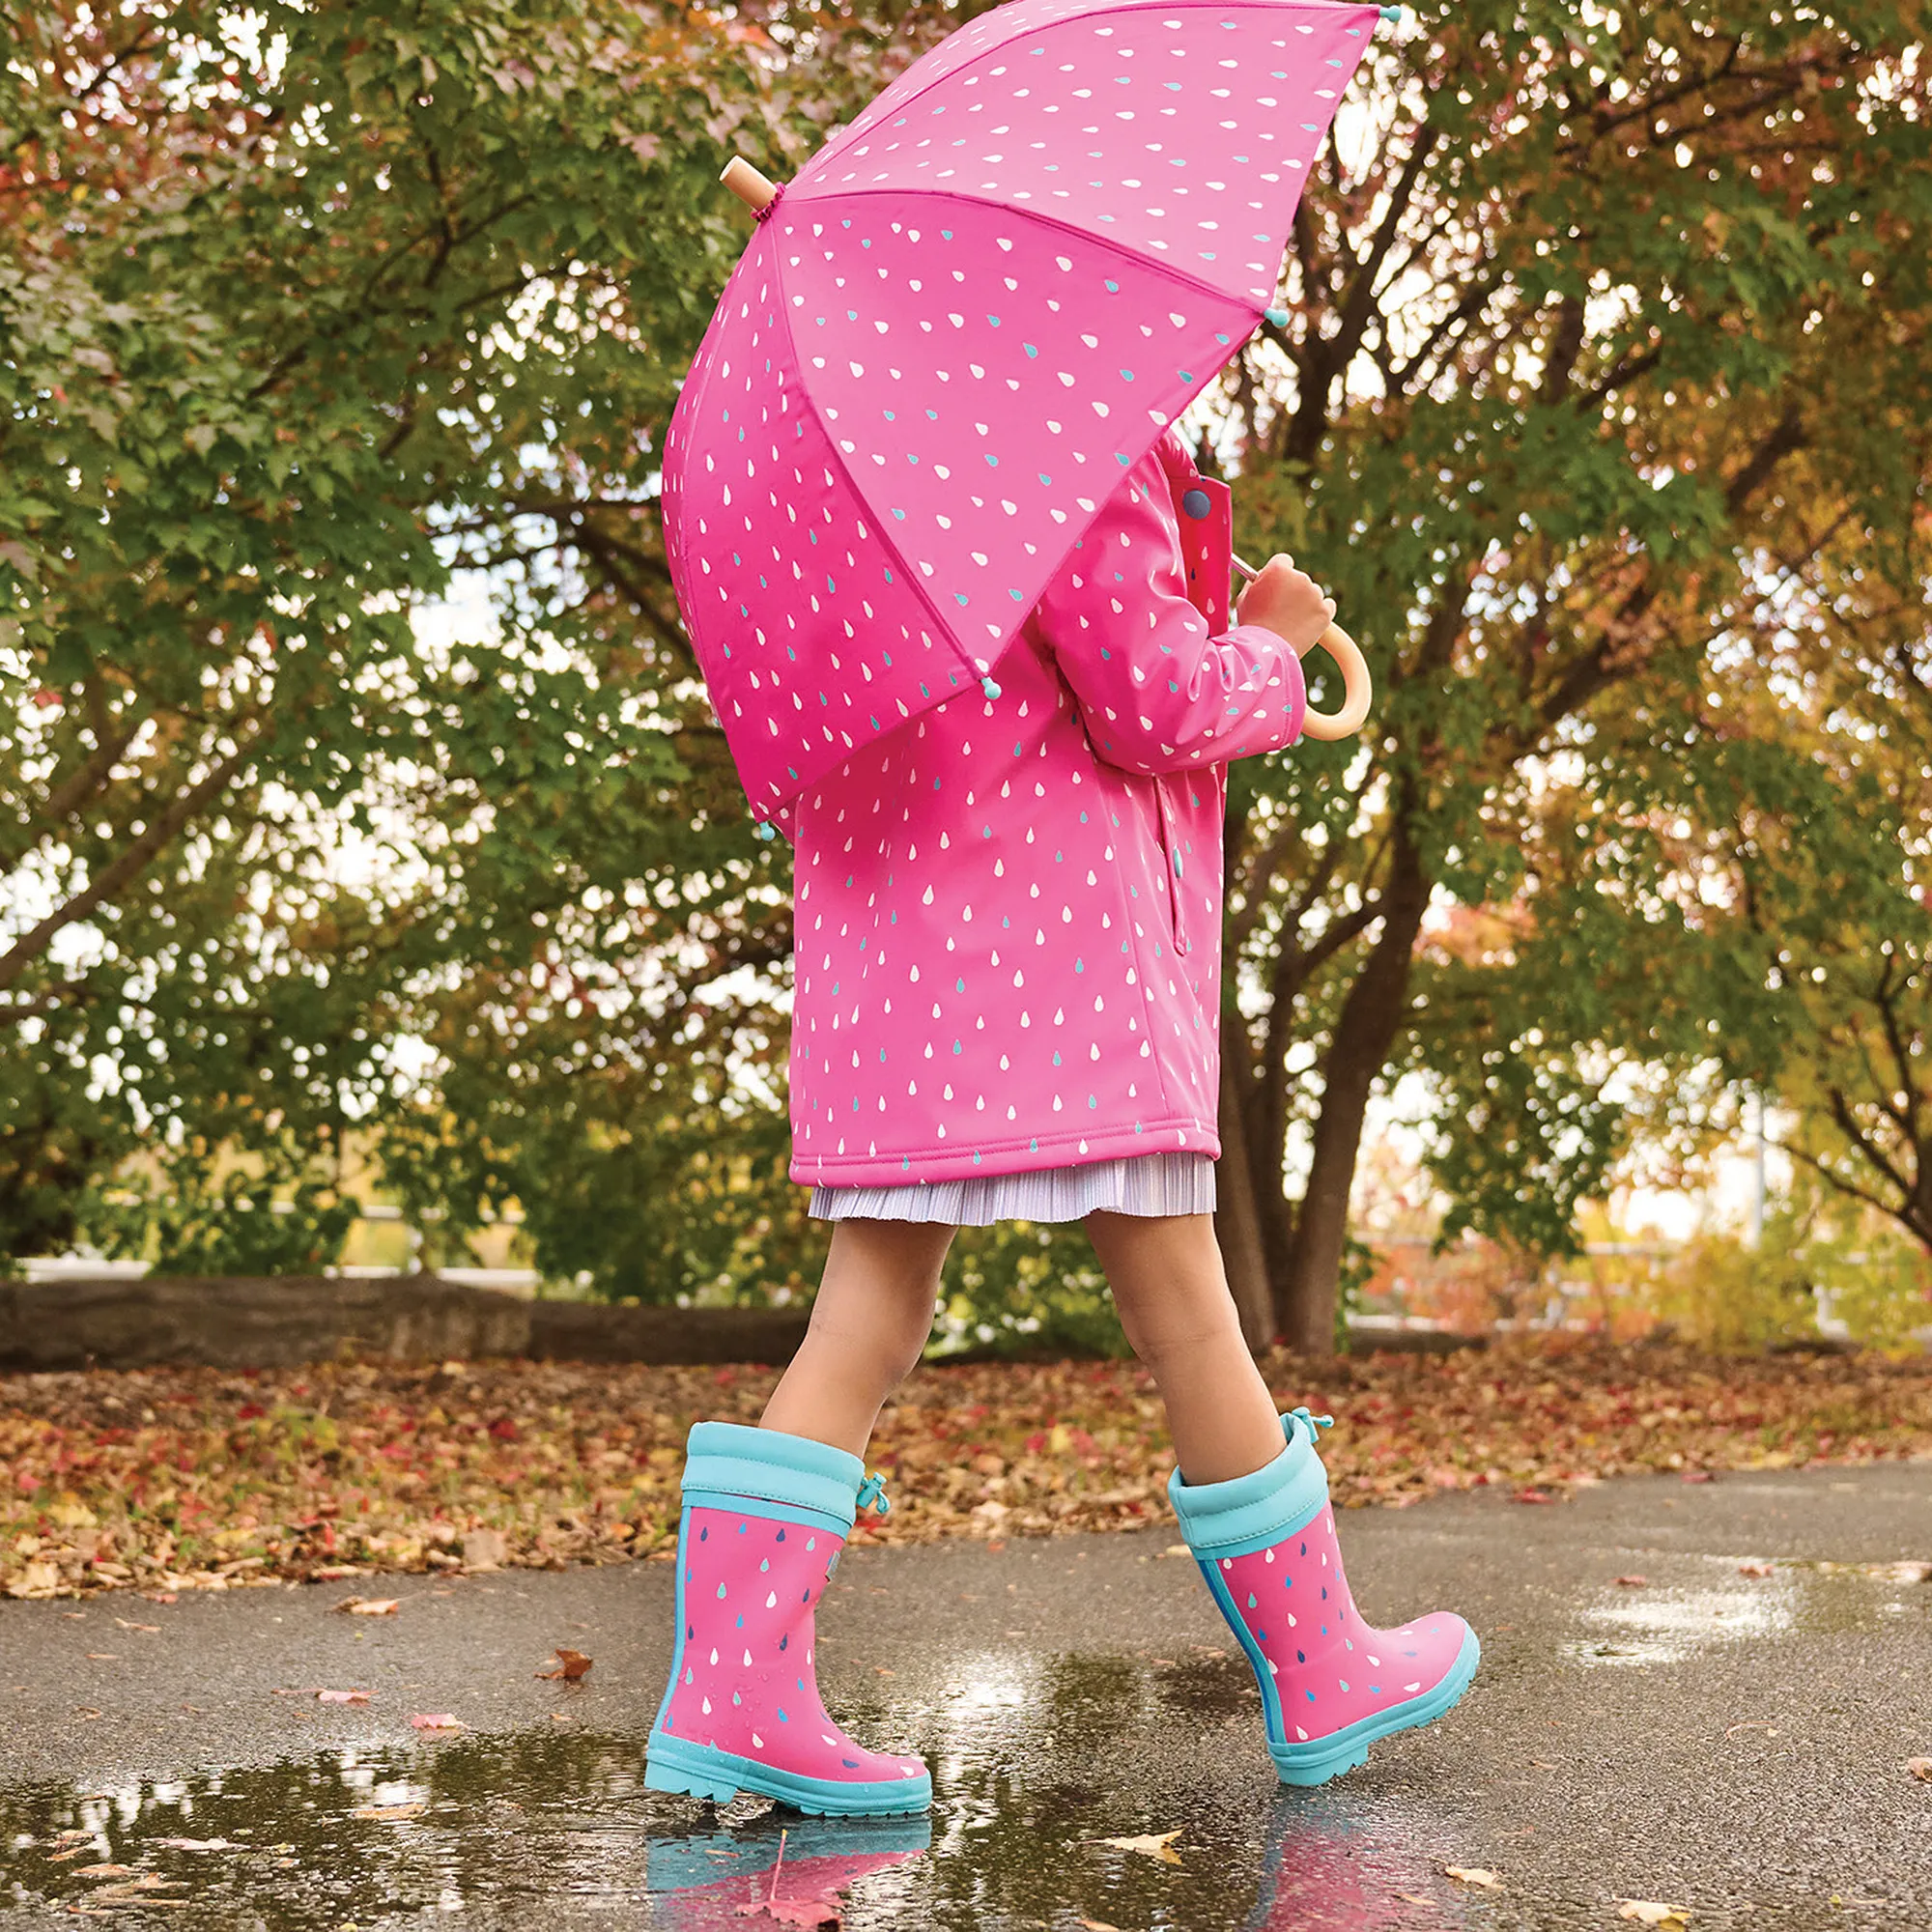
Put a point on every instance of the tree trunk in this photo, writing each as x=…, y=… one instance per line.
x=1237, y=1218
x=1371, y=1017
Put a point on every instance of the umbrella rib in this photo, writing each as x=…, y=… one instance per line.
x=1187, y=280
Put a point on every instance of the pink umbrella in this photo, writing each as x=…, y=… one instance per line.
x=972, y=311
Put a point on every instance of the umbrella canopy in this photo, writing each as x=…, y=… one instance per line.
x=955, y=330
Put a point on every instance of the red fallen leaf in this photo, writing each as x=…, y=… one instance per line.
x=1634, y=1582
x=1696, y=1476
x=1755, y=1570
x=342, y=1696
x=1532, y=1497
x=438, y=1721
x=573, y=1663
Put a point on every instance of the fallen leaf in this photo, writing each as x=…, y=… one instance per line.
x=388, y=1813
x=1150, y=1845
x=343, y=1696
x=1912, y=1571
x=438, y=1721
x=1634, y=1582
x=1754, y=1569
x=104, y=1871
x=572, y=1665
x=1920, y=1768
x=152, y=1630
x=1648, y=1912
x=195, y=1844
x=1099, y=1925
x=1415, y=1898
x=1532, y=1497
x=369, y=1606
x=1698, y=1476
x=1172, y=1549
x=1475, y=1875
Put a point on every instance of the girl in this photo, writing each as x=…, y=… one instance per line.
x=1007, y=1006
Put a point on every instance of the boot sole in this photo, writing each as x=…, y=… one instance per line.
x=1323, y=1758
x=702, y=1771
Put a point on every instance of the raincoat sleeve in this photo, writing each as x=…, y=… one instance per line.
x=1158, y=691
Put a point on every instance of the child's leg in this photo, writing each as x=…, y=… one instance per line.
x=1173, y=1301
x=766, y=1512
x=868, y=1324
x=1252, y=1499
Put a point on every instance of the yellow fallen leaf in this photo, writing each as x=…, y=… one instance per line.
x=1150, y=1845
x=389, y=1812
x=1475, y=1875
x=1649, y=1912
x=1099, y=1925
x=1919, y=1767
x=369, y=1606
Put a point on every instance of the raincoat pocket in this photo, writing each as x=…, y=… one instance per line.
x=1170, y=846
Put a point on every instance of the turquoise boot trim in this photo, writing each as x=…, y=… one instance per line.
x=702, y=1771
x=1322, y=1758
x=731, y=1458
x=1248, y=1513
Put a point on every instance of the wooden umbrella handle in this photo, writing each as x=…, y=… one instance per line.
x=1357, y=688
x=1358, y=691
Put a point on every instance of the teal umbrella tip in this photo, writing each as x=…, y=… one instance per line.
x=991, y=688
x=765, y=832
x=1277, y=316
x=1389, y=13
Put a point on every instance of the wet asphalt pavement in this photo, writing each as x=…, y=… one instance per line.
x=1731, y=1742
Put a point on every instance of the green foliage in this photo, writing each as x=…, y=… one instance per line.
x=1724, y=1292
x=199, y=1220
x=1024, y=1286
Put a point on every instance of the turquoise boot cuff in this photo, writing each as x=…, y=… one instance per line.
x=725, y=1460
x=1253, y=1511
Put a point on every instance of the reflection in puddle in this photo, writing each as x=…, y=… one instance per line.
x=1667, y=1626
x=1660, y=1623
x=1033, y=1760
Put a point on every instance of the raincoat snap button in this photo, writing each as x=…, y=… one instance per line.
x=1195, y=503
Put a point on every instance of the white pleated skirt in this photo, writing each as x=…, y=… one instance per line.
x=1142, y=1183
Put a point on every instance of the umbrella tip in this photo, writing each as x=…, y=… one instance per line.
x=765, y=832
x=1277, y=316
x=991, y=688
x=1389, y=13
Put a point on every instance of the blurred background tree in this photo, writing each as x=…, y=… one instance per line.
x=1601, y=407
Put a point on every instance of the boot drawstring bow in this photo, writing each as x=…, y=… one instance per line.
x=1314, y=1424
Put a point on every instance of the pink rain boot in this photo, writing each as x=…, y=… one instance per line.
x=1330, y=1683
x=765, y=1516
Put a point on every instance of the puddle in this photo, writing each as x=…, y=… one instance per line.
x=1661, y=1623
x=1032, y=1763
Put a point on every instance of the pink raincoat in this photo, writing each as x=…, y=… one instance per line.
x=1008, y=913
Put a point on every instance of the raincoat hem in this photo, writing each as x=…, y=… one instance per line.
x=904, y=1165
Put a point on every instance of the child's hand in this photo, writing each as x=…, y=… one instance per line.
x=1285, y=600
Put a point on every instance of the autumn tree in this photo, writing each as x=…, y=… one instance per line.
x=1607, y=338
x=303, y=311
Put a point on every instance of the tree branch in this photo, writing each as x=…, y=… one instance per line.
x=131, y=862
